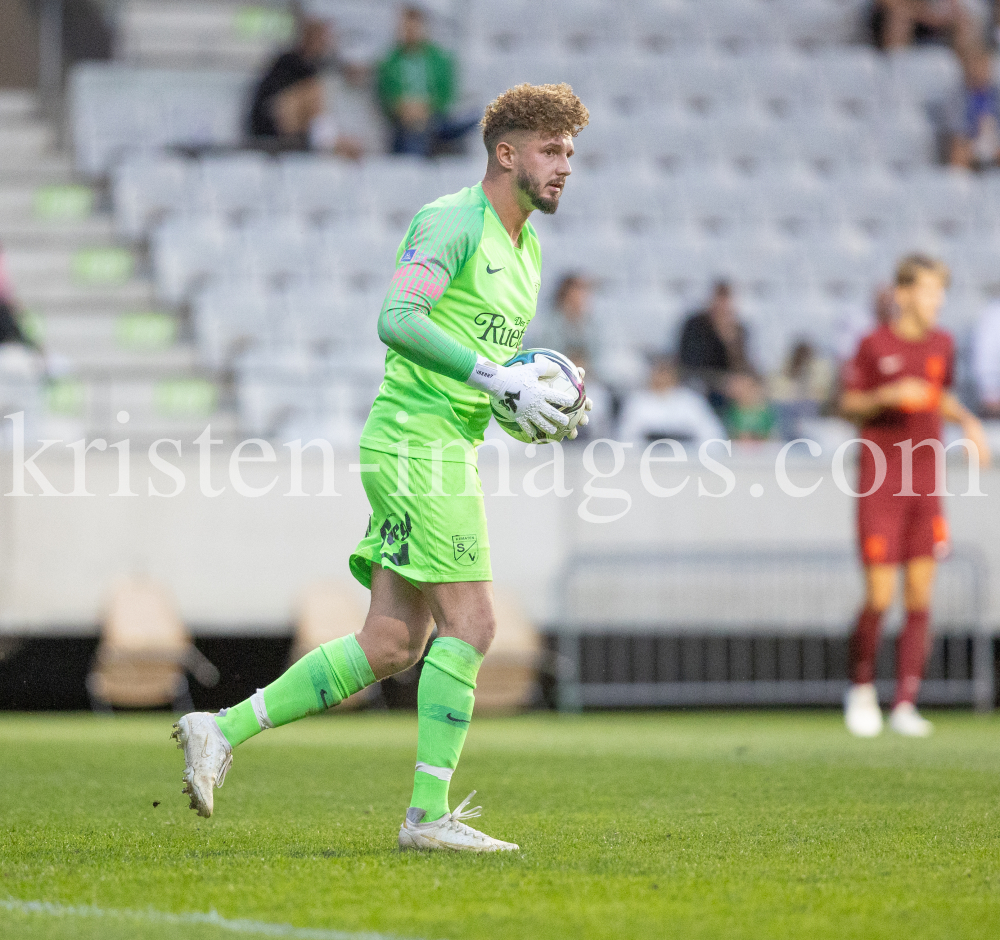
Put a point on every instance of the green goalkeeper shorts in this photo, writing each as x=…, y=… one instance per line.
x=430, y=530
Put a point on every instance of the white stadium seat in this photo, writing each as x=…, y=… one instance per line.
x=237, y=185
x=747, y=139
x=116, y=109
x=146, y=189
x=188, y=251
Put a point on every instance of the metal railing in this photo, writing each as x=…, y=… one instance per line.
x=761, y=627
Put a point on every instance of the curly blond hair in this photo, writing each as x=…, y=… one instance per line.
x=552, y=109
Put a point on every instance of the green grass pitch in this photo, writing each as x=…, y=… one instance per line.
x=693, y=825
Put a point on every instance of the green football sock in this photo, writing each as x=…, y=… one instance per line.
x=444, y=710
x=318, y=681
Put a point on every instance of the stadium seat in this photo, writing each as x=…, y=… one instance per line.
x=923, y=74
x=669, y=28
x=363, y=26
x=186, y=252
x=147, y=189
x=144, y=651
x=833, y=150
x=791, y=212
x=850, y=84
x=739, y=26
x=316, y=317
x=234, y=186
x=455, y=173
x=192, y=33
x=905, y=146
x=286, y=393
x=945, y=205
x=679, y=149
x=745, y=138
x=818, y=23
x=704, y=87
x=877, y=210
x=116, y=109
x=276, y=249
x=364, y=262
x=778, y=84
x=397, y=188
x=230, y=318
x=681, y=272
x=752, y=148
x=720, y=211
x=320, y=189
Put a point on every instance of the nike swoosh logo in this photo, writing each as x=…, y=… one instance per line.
x=458, y=721
x=490, y=270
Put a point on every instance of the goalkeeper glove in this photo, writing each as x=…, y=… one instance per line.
x=518, y=390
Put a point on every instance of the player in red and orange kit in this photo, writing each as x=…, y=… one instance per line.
x=897, y=388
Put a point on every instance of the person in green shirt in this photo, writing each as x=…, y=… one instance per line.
x=466, y=284
x=416, y=89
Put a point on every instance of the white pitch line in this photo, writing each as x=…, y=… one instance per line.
x=213, y=919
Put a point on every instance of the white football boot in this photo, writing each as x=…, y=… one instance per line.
x=449, y=832
x=906, y=720
x=207, y=758
x=861, y=712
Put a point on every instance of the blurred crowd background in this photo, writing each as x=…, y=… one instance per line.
x=199, y=215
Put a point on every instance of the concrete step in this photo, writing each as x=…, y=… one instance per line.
x=177, y=403
x=57, y=202
x=17, y=103
x=52, y=167
x=22, y=139
x=87, y=266
x=39, y=295
x=135, y=330
x=111, y=307
x=52, y=214
x=140, y=429
x=136, y=345
x=39, y=233
x=129, y=364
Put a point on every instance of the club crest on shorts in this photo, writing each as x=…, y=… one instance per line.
x=395, y=532
x=466, y=548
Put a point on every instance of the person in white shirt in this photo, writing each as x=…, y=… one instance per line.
x=667, y=409
x=986, y=361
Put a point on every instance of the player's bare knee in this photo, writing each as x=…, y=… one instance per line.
x=878, y=597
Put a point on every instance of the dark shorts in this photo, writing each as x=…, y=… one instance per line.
x=895, y=529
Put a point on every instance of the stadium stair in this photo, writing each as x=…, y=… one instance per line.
x=86, y=297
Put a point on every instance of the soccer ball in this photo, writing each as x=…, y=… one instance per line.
x=566, y=380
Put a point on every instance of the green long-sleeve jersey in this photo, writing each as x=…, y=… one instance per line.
x=461, y=289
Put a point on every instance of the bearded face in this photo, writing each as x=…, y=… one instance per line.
x=535, y=191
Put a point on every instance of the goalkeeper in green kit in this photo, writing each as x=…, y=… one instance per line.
x=465, y=288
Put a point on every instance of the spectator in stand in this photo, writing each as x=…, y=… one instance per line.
x=416, y=89
x=900, y=23
x=665, y=408
x=569, y=324
x=22, y=363
x=11, y=330
x=288, y=111
x=713, y=347
x=800, y=390
x=605, y=407
x=749, y=415
x=986, y=361
x=972, y=118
